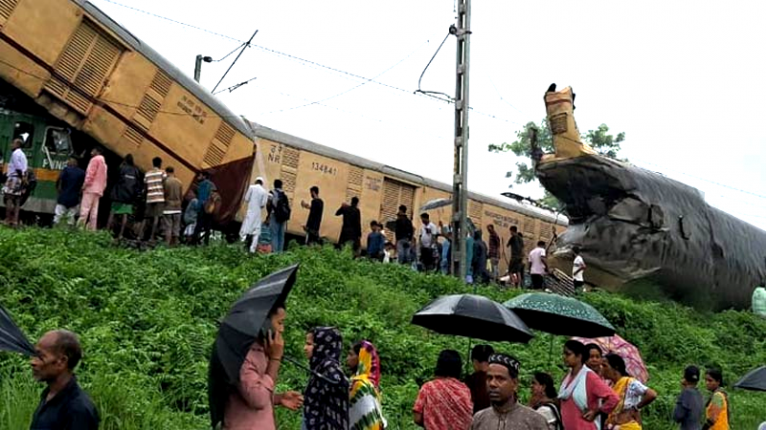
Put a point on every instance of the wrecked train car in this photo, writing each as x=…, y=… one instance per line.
x=632, y=223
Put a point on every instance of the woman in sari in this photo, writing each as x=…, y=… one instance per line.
x=583, y=393
x=326, y=397
x=717, y=408
x=632, y=393
x=365, y=412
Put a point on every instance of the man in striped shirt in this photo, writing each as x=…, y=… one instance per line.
x=155, y=195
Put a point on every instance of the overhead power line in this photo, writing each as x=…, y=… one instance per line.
x=316, y=64
x=352, y=88
x=174, y=21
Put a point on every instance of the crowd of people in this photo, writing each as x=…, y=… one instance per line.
x=596, y=393
x=154, y=200
x=156, y=204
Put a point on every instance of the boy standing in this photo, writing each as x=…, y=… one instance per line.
x=375, y=242
x=578, y=270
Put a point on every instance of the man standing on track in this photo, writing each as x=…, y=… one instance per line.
x=155, y=195
x=404, y=232
x=428, y=236
x=69, y=186
x=578, y=270
x=538, y=266
x=494, y=252
x=314, y=222
x=13, y=189
x=516, y=243
x=205, y=190
x=171, y=215
x=93, y=189
x=256, y=199
x=279, y=214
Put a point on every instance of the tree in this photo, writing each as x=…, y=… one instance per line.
x=599, y=139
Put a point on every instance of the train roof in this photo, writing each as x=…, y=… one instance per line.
x=176, y=74
x=297, y=142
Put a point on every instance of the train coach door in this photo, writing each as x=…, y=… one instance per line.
x=19, y=126
x=395, y=193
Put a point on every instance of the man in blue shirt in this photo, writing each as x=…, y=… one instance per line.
x=375, y=242
x=689, y=406
x=205, y=189
x=69, y=185
x=63, y=404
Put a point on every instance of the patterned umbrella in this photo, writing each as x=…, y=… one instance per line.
x=617, y=345
x=555, y=314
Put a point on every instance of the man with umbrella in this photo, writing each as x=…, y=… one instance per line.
x=247, y=355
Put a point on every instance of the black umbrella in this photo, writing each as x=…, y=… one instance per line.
x=754, y=381
x=472, y=316
x=244, y=324
x=11, y=337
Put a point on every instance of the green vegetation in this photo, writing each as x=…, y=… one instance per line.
x=147, y=321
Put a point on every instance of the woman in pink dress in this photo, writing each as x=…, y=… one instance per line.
x=583, y=393
x=251, y=405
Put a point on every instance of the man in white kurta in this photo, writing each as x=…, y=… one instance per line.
x=256, y=198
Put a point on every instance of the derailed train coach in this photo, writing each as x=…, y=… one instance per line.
x=72, y=78
x=381, y=189
x=632, y=223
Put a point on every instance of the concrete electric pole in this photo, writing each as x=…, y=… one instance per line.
x=460, y=182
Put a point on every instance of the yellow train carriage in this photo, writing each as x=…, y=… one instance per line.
x=301, y=164
x=88, y=71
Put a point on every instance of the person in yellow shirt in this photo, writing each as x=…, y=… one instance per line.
x=717, y=409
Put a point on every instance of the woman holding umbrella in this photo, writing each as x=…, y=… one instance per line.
x=326, y=396
x=583, y=394
x=251, y=405
x=632, y=393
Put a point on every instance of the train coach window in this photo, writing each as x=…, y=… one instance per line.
x=58, y=140
x=24, y=131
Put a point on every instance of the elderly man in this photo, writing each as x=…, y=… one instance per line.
x=506, y=412
x=256, y=199
x=63, y=405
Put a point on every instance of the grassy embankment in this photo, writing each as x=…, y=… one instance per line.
x=147, y=321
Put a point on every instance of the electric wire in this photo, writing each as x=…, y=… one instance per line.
x=318, y=65
x=420, y=80
x=352, y=88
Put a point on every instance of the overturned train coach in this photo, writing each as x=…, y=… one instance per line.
x=72, y=78
x=633, y=223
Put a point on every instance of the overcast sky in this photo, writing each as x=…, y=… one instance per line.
x=682, y=79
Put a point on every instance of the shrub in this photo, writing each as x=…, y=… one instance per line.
x=147, y=321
